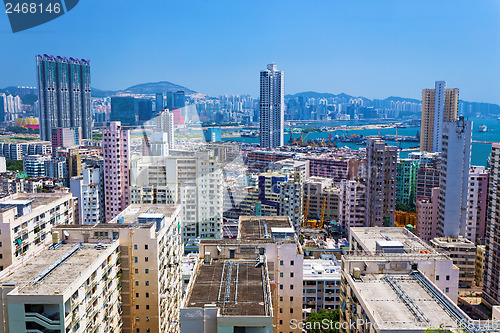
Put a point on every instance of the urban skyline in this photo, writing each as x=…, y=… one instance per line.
x=371, y=65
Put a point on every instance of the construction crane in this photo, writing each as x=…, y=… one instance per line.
x=322, y=219
x=306, y=211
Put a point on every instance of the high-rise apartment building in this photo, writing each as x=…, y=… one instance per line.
x=150, y=256
x=63, y=94
x=125, y=109
x=65, y=137
x=27, y=221
x=88, y=189
x=116, y=147
x=272, y=107
x=454, y=178
x=381, y=183
x=165, y=123
x=491, y=277
x=66, y=288
x=406, y=181
x=477, y=204
x=194, y=180
x=438, y=105
x=352, y=205
x=427, y=216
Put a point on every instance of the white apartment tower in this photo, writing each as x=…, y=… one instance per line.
x=272, y=107
x=454, y=178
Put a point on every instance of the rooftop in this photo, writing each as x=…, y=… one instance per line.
x=61, y=277
x=369, y=236
x=37, y=199
x=451, y=242
x=255, y=227
x=420, y=309
x=235, y=286
x=319, y=269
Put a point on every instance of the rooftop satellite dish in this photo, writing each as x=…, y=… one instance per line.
x=66, y=233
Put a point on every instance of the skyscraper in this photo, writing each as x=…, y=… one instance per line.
x=272, y=107
x=159, y=102
x=454, y=178
x=116, y=144
x=64, y=94
x=381, y=183
x=491, y=284
x=125, y=109
x=438, y=105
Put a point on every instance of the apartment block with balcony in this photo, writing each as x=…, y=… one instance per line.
x=151, y=249
x=66, y=288
x=390, y=246
x=26, y=221
x=321, y=286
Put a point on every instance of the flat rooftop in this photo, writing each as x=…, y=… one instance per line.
x=369, y=236
x=37, y=199
x=255, y=227
x=60, y=278
x=391, y=312
x=242, y=296
x=319, y=269
x=133, y=212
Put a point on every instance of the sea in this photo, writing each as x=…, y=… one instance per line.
x=479, y=155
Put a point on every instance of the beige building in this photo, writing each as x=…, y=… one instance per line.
x=270, y=240
x=463, y=253
x=151, y=250
x=397, y=246
x=316, y=190
x=438, y=105
x=26, y=221
x=68, y=288
x=479, y=266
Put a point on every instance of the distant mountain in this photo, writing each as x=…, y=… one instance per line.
x=402, y=99
x=144, y=89
x=157, y=87
x=313, y=94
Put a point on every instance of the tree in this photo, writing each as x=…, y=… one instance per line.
x=14, y=165
x=314, y=322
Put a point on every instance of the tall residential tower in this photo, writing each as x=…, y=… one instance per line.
x=272, y=107
x=64, y=94
x=438, y=105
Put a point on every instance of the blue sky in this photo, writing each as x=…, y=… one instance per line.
x=364, y=48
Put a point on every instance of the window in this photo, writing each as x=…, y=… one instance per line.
x=291, y=298
x=291, y=274
x=281, y=274
x=147, y=307
x=281, y=298
x=136, y=271
x=147, y=271
x=291, y=287
x=281, y=262
x=135, y=259
x=146, y=247
x=147, y=283
x=291, y=310
x=135, y=246
x=281, y=286
x=447, y=277
x=136, y=283
x=291, y=263
x=147, y=295
x=146, y=259
x=447, y=289
x=136, y=295
x=137, y=307
x=281, y=310
x=437, y=277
